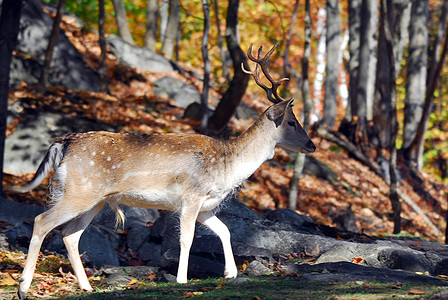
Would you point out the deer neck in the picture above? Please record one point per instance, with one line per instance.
(251, 149)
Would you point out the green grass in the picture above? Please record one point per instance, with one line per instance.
(265, 287)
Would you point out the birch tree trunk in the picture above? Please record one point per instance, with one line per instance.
(150, 39)
(307, 106)
(122, 21)
(171, 29)
(437, 57)
(332, 68)
(416, 79)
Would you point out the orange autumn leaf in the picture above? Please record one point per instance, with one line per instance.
(8, 280)
(243, 267)
(133, 281)
(416, 292)
(357, 260)
(220, 284)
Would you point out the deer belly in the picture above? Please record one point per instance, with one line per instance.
(155, 199)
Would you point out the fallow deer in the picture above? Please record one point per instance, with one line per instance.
(187, 173)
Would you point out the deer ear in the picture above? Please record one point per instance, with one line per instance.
(276, 112)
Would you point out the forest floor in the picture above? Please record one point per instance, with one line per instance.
(131, 106)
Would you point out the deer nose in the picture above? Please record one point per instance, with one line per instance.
(310, 146)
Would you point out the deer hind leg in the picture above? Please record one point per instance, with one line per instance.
(188, 216)
(43, 224)
(221, 230)
(71, 235)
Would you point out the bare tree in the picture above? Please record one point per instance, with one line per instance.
(225, 68)
(287, 69)
(172, 28)
(307, 106)
(122, 21)
(102, 41)
(233, 95)
(152, 6)
(437, 56)
(43, 79)
(398, 17)
(394, 199)
(332, 67)
(416, 79)
(11, 11)
(204, 48)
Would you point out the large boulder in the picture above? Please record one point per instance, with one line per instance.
(138, 57)
(26, 147)
(67, 66)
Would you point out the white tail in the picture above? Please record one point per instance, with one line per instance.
(189, 173)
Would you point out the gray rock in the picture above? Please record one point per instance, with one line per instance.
(287, 215)
(239, 280)
(137, 235)
(150, 252)
(26, 147)
(183, 94)
(256, 268)
(68, 68)
(137, 57)
(97, 248)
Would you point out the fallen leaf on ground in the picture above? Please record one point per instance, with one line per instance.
(416, 292)
(243, 267)
(357, 260)
(220, 284)
(8, 280)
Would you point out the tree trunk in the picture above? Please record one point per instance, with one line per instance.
(233, 95)
(172, 27)
(102, 41)
(394, 199)
(416, 79)
(332, 67)
(204, 48)
(9, 29)
(122, 21)
(307, 106)
(222, 54)
(354, 19)
(433, 76)
(362, 104)
(150, 39)
(399, 14)
(43, 79)
(287, 69)
(163, 13)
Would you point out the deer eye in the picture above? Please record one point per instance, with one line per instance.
(292, 123)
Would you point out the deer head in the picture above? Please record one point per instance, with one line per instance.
(291, 134)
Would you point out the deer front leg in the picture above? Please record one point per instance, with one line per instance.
(221, 230)
(188, 216)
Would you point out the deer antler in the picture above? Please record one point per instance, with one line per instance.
(271, 93)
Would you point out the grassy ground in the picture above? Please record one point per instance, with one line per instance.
(268, 287)
(265, 287)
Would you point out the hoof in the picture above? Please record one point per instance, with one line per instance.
(21, 294)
